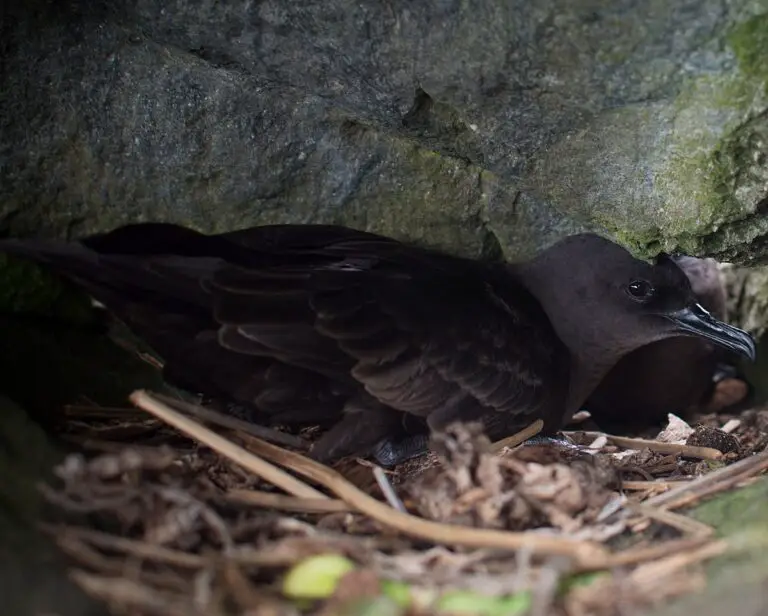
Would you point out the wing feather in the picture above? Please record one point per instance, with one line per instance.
(432, 335)
(425, 334)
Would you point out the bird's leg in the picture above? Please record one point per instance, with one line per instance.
(390, 452)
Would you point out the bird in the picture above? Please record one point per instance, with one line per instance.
(679, 375)
(379, 341)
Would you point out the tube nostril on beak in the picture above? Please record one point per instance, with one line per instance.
(696, 321)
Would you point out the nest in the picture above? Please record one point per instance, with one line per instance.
(178, 509)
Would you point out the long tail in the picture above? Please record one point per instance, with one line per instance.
(157, 294)
(149, 272)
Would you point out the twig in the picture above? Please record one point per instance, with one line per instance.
(633, 468)
(652, 485)
(275, 556)
(519, 437)
(233, 423)
(689, 451)
(151, 360)
(287, 503)
(667, 566)
(86, 556)
(582, 551)
(731, 425)
(202, 589)
(682, 523)
(228, 449)
(124, 545)
(714, 482)
(78, 411)
(68, 503)
(102, 446)
(386, 488)
(588, 554)
(635, 556)
(190, 504)
(125, 432)
(645, 586)
(125, 592)
(242, 590)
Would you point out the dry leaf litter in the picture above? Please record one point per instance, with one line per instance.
(148, 519)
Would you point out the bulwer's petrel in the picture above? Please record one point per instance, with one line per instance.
(377, 339)
(675, 375)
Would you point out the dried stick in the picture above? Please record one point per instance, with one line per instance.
(149, 551)
(387, 489)
(519, 437)
(657, 485)
(287, 503)
(228, 449)
(637, 555)
(583, 552)
(682, 523)
(128, 593)
(225, 421)
(713, 482)
(689, 451)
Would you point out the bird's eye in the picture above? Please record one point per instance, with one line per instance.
(640, 290)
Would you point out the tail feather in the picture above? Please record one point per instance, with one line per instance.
(159, 298)
(169, 283)
(153, 278)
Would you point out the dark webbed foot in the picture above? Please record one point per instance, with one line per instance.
(390, 452)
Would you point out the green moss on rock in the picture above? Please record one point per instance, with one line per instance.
(26, 287)
(736, 579)
(749, 41)
(715, 174)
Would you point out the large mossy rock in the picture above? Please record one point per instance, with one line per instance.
(482, 126)
(738, 579)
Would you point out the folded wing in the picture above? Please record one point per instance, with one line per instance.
(423, 333)
(304, 322)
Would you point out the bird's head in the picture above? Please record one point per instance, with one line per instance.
(604, 302)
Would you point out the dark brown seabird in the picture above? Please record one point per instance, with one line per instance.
(676, 375)
(378, 339)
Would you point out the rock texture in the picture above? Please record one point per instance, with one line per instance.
(482, 126)
(747, 291)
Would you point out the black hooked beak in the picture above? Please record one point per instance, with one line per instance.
(697, 321)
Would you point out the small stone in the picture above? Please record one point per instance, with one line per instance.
(706, 436)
